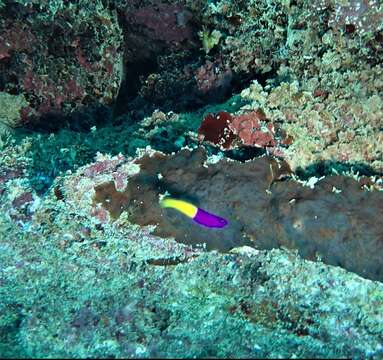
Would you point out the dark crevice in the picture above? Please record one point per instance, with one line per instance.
(127, 99)
(326, 168)
(81, 120)
(147, 59)
(242, 154)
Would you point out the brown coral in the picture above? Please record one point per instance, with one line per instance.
(337, 220)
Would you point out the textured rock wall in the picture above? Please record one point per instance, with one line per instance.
(338, 220)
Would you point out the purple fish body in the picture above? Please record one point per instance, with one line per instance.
(209, 220)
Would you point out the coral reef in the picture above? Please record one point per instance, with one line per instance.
(214, 79)
(10, 109)
(250, 129)
(116, 290)
(342, 125)
(169, 23)
(215, 129)
(260, 36)
(264, 209)
(57, 63)
(266, 113)
(317, 67)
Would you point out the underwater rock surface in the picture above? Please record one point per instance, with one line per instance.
(70, 275)
(92, 267)
(338, 220)
(54, 62)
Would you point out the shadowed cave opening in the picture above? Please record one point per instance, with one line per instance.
(179, 98)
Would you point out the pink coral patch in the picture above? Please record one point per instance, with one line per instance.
(248, 129)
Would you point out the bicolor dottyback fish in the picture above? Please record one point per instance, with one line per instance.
(200, 216)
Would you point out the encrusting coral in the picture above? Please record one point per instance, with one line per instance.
(337, 220)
